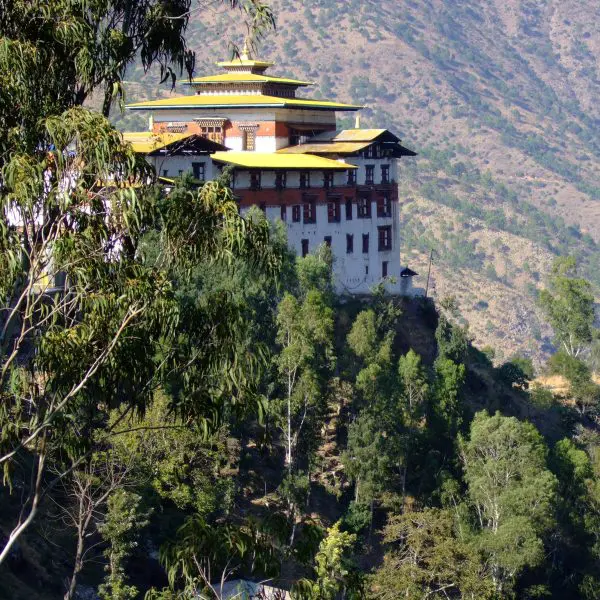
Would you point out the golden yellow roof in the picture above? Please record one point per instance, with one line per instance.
(144, 142)
(350, 135)
(239, 101)
(245, 78)
(332, 148)
(272, 160)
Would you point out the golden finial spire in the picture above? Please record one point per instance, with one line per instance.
(245, 50)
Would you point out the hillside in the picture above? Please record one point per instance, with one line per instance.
(497, 97)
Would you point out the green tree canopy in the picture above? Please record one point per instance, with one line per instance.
(568, 303)
(512, 493)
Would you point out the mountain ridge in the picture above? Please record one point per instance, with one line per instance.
(497, 98)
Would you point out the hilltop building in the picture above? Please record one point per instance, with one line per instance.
(288, 158)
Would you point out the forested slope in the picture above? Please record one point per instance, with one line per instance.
(497, 98)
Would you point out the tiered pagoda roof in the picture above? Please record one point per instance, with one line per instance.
(243, 85)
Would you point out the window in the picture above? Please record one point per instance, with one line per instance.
(327, 180)
(327, 240)
(310, 212)
(352, 177)
(296, 213)
(304, 248)
(198, 170)
(214, 133)
(255, 180)
(284, 213)
(384, 268)
(365, 243)
(366, 269)
(333, 211)
(370, 173)
(280, 180)
(385, 238)
(304, 180)
(385, 173)
(384, 206)
(349, 243)
(364, 207)
(165, 172)
(249, 140)
(348, 209)
(180, 172)
(369, 151)
(263, 207)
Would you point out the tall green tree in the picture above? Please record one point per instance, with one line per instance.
(333, 569)
(366, 460)
(568, 303)
(512, 493)
(305, 330)
(428, 558)
(124, 519)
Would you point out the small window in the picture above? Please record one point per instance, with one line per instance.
(366, 269)
(310, 212)
(284, 213)
(327, 240)
(180, 172)
(304, 248)
(352, 177)
(348, 209)
(296, 213)
(369, 152)
(304, 180)
(365, 239)
(280, 180)
(384, 206)
(263, 207)
(385, 173)
(384, 268)
(349, 243)
(165, 172)
(385, 238)
(370, 174)
(199, 171)
(364, 207)
(333, 211)
(327, 180)
(255, 180)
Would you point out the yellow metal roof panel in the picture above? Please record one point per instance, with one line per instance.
(239, 101)
(332, 148)
(350, 135)
(358, 135)
(246, 78)
(272, 160)
(147, 141)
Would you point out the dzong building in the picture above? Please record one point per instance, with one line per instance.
(337, 187)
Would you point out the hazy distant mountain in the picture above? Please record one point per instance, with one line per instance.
(500, 100)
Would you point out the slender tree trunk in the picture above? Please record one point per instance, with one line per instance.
(404, 470)
(288, 457)
(37, 494)
(70, 594)
(84, 517)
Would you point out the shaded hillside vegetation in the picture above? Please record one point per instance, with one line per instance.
(374, 454)
(497, 98)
